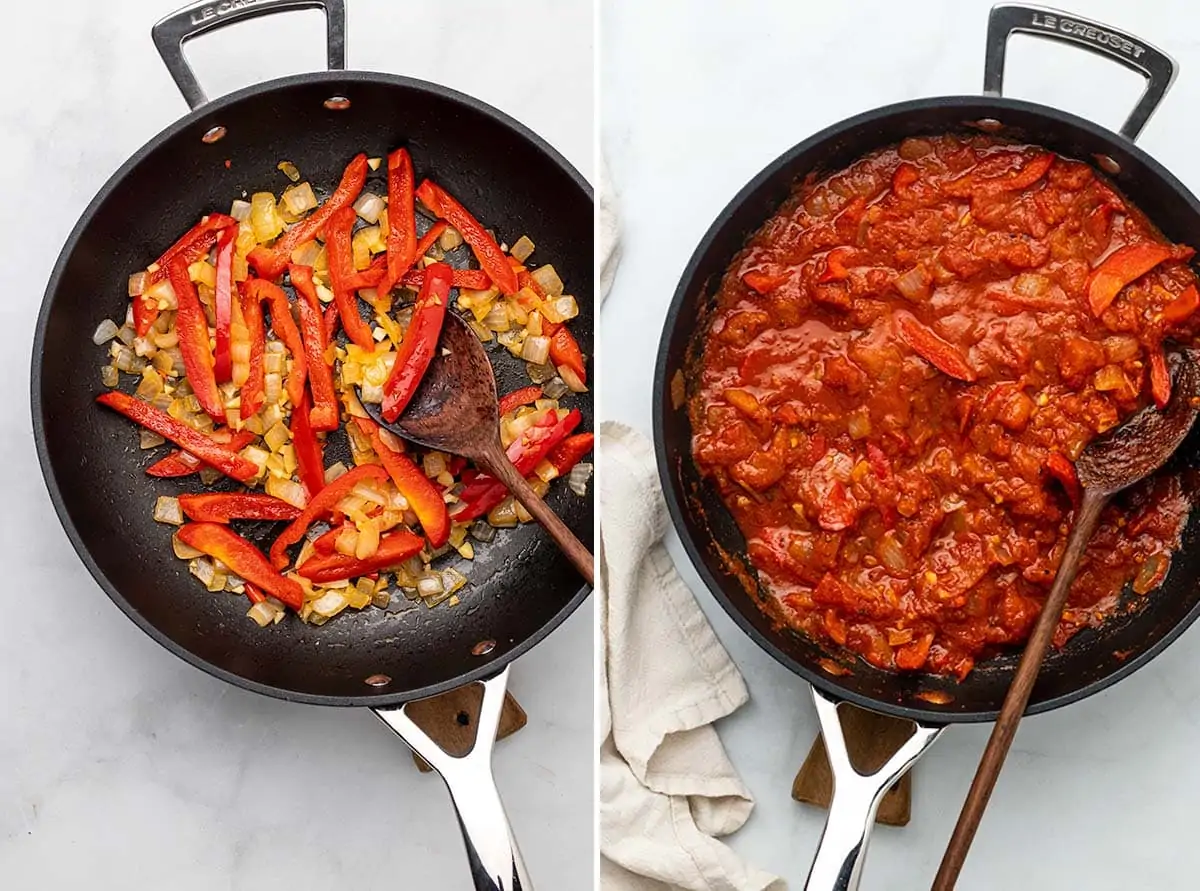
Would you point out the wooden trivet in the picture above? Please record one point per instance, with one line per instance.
(450, 720)
(871, 740)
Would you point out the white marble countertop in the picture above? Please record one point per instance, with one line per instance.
(696, 98)
(120, 766)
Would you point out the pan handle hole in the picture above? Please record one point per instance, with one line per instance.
(463, 719)
(337, 103)
(378, 680)
(483, 648)
(216, 134)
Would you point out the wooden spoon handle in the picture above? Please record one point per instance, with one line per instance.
(501, 468)
(1017, 698)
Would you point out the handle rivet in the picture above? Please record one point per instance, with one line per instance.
(1108, 164)
(378, 680)
(337, 103)
(483, 648)
(987, 125)
(216, 134)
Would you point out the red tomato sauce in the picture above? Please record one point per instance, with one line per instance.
(901, 368)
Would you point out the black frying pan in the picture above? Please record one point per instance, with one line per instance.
(521, 587)
(1093, 659)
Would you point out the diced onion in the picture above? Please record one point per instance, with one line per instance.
(536, 350)
(109, 376)
(184, 551)
(287, 490)
(137, 284)
(571, 379)
(167, 510)
(578, 478)
(276, 437)
(264, 218)
(914, 284)
(497, 318)
(240, 210)
(203, 569)
(560, 309)
(299, 198)
(1121, 348)
(449, 239)
(163, 294)
(105, 332)
(329, 604)
(430, 585)
(548, 279)
(374, 163)
(504, 514)
(434, 464)
(369, 206)
(289, 170)
(272, 387)
(333, 471)
(1110, 377)
(148, 439)
(1151, 573)
(262, 613)
(523, 248)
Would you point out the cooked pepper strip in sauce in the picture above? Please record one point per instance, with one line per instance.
(900, 369)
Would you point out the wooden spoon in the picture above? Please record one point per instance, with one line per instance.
(1109, 464)
(455, 410)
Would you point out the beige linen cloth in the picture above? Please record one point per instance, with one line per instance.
(667, 789)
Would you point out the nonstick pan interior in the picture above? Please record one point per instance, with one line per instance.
(520, 586)
(1093, 659)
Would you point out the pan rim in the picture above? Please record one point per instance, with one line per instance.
(693, 549)
(203, 119)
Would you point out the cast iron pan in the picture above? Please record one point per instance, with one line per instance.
(521, 587)
(1093, 659)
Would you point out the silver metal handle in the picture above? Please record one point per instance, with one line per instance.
(843, 846)
(496, 863)
(171, 33)
(1157, 67)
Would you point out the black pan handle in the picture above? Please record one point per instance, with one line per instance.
(171, 33)
(1157, 67)
(496, 863)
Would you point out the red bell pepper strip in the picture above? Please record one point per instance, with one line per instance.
(341, 267)
(243, 558)
(252, 392)
(1034, 169)
(330, 321)
(835, 265)
(1182, 306)
(192, 326)
(570, 452)
(180, 463)
(327, 543)
(420, 341)
(207, 449)
(270, 262)
(394, 548)
(484, 492)
(310, 455)
(322, 503)
(193, 245)
(487, 251)
(1121, 267)
(221, 507)
(253, 594)
(943, 356)
(402, 219)
(324, 415)
(423, 497)
(517, 398)
(261, 291)
(1160, 377)
(564, 350)
(1064, 471)
(371, 277)
(880, 465)
(222, 359)
(432, 234)
(761, 282)
(906, 174)
(475, 279)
